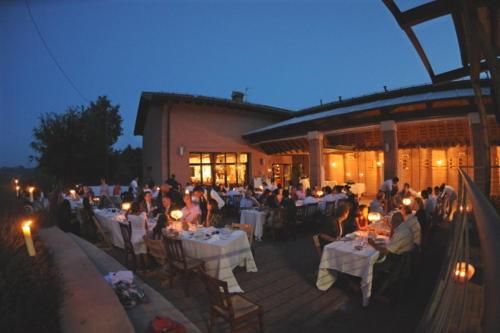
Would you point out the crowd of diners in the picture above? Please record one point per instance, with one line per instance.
(409, 221)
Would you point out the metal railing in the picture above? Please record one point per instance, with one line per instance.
(461, 301)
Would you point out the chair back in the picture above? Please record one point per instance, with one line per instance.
(218, 293)
(247, 228)
(100, 231)
(311, 210)
(317, 245)
(301, 213)
(175, 252)
(126, 230)
(156, 249)
(279, 217)
(330, 208)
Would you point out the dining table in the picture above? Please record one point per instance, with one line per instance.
(256, 218)
(351, 255)
(222, 250)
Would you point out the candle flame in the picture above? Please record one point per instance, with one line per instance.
(31, 189)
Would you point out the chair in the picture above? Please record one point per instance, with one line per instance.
(301, 213)
(101, 233)
(157, 250)
(236, 310)
(330, 208)
(128, 248)
(179, 262)
(279, 221)
(248, 228)
(317, 245)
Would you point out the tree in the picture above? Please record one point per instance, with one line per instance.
(75, 145)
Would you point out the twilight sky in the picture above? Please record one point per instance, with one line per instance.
(289, 54)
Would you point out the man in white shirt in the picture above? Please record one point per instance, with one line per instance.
(309, 199)
(388, 185)
(248, 201)
(327, 198)
(148, 202)
(449, 197)
(412, 221)
(429, 203)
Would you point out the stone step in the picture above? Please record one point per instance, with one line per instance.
(142, 314)
(90, 304)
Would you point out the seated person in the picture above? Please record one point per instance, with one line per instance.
(309, 199)
(377, 205)
(300, 192)
(361, 217)
(191, 212)
(412, 222)
(138, 223)
(147, 204)
(327, 198)
(400, 243)
(338, 195)
(248, 200)
(334, 228)
(213, 213)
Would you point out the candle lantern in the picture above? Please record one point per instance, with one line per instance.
(17, 190)
(186, 191)
(374, 217)
(126, 206)
(176, 214)
(28, 239)
(31, 190)
(463, 272)
(319, 194)
(73, 194)
(407, 201)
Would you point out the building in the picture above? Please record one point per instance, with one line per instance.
(422, 134)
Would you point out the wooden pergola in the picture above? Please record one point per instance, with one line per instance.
(477, 27)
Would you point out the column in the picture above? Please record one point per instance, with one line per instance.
(316, 169)
(479, 150)
(390, 147)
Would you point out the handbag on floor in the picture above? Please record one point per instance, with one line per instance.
(162, 324)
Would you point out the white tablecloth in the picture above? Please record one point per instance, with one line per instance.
(342, 256)
(221, 256)
(110, 223)
(358, 188)
(255, 218)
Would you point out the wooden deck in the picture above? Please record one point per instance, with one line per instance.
(285, 287)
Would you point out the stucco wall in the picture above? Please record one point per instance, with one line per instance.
(200, 128)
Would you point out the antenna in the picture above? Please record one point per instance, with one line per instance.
(246, 93)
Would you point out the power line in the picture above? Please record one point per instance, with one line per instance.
(72, 84)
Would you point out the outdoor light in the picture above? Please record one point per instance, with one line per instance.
(126, 206)
(379, 163)
(463, 271)
(374, 217)
(319, 193)
(16, 181)
(334, 165)
(17, 190)
(30, 190)
(28, 239)
(407, 201)
(439, 162)
(176, 214)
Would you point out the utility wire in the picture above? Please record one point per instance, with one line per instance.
(66, 76)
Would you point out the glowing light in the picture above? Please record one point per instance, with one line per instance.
(186, 191)
(334, 165)
(361, 174)
(176, 214)
(319, 193)
(16, 181)
(374, 216)
(27, 238)
(126, 206)
(30, 190)
(439, 162)
(463, 272)
(379, 163)
(407, 201)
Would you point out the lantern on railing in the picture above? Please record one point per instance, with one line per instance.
(176, 214)
(17, 190)
(374, 217)
(463, 272)
(31, 190)
(319, 194)
(126, 206)
(407, 201)
(28, 239)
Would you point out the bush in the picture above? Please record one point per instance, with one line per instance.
(30, 287)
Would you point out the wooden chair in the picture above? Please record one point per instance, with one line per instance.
(236, 310)
(101, 233)
(279, 222)
(330, 209)
(157, 250)
(248, 228)
(301, 213)
(128, 248)
(317, 245)
(179, 262)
